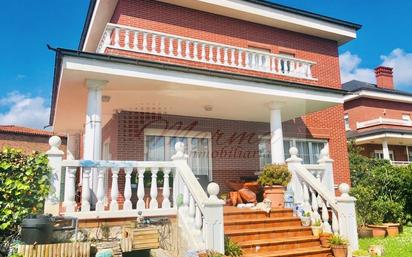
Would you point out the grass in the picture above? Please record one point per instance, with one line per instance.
(400, 246)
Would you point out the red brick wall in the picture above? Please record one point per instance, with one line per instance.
(227, 138)
(27, 143)
(363, 109)
(168, 18)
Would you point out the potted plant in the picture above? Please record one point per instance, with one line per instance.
(378, 230)
(316, 227)
(360, 253)
(339, 245)
(324, 239)
(392, 229)
(232, 249)
(274, 179)
(305, 219)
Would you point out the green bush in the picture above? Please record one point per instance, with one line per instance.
(24, 185)
(275, 174)
(232, 248)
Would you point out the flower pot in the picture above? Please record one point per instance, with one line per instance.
(365, 232)
(276, 195)
(392, 229)
(324, 239)
(378, 230)
(340, 250)
(316, 230)
(305, 221)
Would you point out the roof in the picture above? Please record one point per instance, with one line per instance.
(24, 130)
(371, 132)
(60, 53)
(356, 85)
(355, 26)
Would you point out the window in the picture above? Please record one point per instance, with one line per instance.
(378, 154)
(160, 146)
(309, 149)
(346, 119)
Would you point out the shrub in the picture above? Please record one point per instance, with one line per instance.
(232, 248)
(275, 174)
(24, 185)
(337, 239)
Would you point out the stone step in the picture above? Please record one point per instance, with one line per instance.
(261, 223)
(271, 245)
(240, 235)
(238, 213)
(302, 252)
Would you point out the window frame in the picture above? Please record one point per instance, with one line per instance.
(375, 152)
(346, 121)
(189, 134)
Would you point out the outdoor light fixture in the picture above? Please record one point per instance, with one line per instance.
(105, 98)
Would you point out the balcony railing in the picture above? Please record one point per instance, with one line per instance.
(383, 121)
(172, 46)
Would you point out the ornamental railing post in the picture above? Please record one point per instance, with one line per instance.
(294, 185)
(55, 156)
(327, 176)
(347, 216)
(213, 220)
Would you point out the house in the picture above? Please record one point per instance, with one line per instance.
(27, 139)
(377, 117)
(203, 92)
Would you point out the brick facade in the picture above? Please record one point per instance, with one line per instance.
(168, 18)
(234, 143)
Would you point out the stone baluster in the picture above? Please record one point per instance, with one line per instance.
(135, 40)
(70, 185)
(295, 184)
(162, 45)
(100, 189)
(198, 219)
(218, 55)
(127, 39)
(325, 217)
(211, 60)
(273, 64)
(145, 41)
(186, 199)
(315, 206)
(127, 189)
(195, 51)
(140, 189)
(192, 209)
(187, 49)
(179, 48)
(306, 197)
(335, 222)
(225, 56)
(203, 52)
(253, 60)
(280, 66)
(166, 189)
(153, 189)
(114, 206)
(239, 58)
(232, 57)
(154, 43)
(308, 71)
(116, 37)
(291, 67)
(86, 190)
(171, 47)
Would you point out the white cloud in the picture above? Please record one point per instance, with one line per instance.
(401, 62)
(24, 110)
(350, 70)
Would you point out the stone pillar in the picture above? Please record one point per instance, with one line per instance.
(276, 134)
(93, 129)
(55, 156)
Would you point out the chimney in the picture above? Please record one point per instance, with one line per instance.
(384, 77)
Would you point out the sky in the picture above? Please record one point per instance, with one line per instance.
(26, 65)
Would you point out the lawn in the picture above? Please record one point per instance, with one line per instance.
(400, 246)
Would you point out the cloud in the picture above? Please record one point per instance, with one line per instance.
(401, 62)
(350, 70)
(24, 110)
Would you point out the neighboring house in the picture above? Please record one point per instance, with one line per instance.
(238, 82)
(378, 117)
(27, 139)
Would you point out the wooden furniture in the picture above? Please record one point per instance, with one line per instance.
(140, 238)
(79, 249)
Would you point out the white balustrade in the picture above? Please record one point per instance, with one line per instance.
(311, 190)
(383, 121)
(201, 215)
(188, 49)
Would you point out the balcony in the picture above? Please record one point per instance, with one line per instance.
(177, 47)
(383, 121)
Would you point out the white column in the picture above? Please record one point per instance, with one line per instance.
(327, 176)
(52, 203)
(385, 150)
(276, 134)
(72, 153)
(93, 129)
(213, 220)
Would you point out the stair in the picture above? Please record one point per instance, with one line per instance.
(271, 235)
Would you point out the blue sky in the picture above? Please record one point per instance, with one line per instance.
(27, 65)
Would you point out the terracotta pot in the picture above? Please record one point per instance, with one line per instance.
(392, 229)
(378, 230)
(305, 221)
(365, 232)
(276, 195)
(316, 230)
(340, 250)
(324, 239)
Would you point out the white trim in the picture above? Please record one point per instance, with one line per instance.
(381, 152)
(164, 75)
(87, 215)
(383, 135)
(378, 95)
